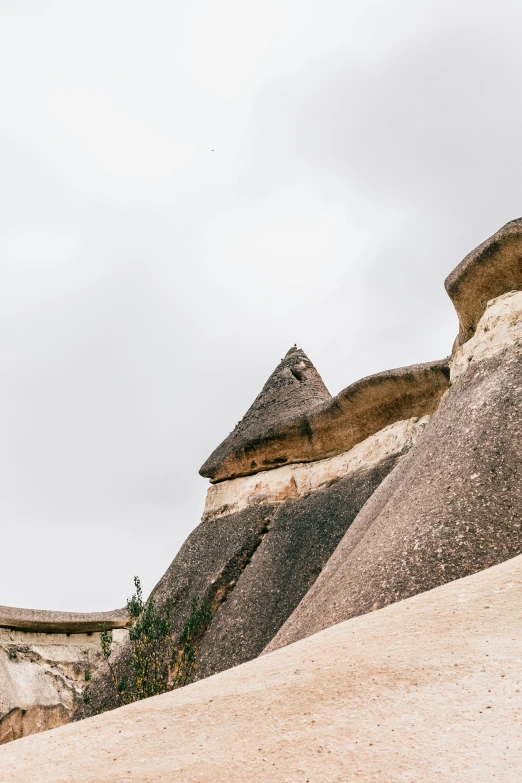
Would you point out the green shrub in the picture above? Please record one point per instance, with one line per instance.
(158, 662)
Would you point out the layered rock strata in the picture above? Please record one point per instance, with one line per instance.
(294, 388)
(332, 427)
(265, 538)
(322, 509)
(493, 268)
(453, 506)
(300, 479)
(425, 690)
(251, 568)
(46, 659)
(300, 536)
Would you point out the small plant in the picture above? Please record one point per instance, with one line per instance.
(186, 661)
(158, 662)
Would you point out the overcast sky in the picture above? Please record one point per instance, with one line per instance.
(186, 190)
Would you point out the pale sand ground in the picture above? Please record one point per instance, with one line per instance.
(428, 689)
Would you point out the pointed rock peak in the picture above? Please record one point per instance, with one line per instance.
(294, 388)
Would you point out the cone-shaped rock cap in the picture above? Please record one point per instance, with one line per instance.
(268, 440)
(295, 387)
(492, 269)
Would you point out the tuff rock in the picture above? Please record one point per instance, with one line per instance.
(359, 554)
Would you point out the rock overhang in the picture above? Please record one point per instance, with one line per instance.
(294, 388)
(336, 425)
(297, 480)
(48, 621)
(44, 660)
(492, 269)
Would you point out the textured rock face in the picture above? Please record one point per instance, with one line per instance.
(294, 388)
(298, 480)
(499, 328)
(300, 536)
(44, 657)
(425, 690)
(262, 543)
(252, 568)
(42, 676)
(45, 621)
(333, 427)
(454, 504)
(488, 271)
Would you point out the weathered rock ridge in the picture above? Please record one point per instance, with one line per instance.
(454, 504)
(265, 538)
(333, 427)
(493, 268)
(300, 479)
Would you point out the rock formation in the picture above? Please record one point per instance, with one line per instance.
(264, 538)
(322, 509)
(426, 689)
(335, 426)
(454, 504)
(294, 388)
(45, 660)
(493, 268)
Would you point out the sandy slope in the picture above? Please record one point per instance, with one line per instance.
(428, 689)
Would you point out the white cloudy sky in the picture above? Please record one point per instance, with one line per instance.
(186, 190)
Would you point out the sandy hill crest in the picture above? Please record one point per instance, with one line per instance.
(427, 689)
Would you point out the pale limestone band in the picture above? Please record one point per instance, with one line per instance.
(499, 328)
(297, 480)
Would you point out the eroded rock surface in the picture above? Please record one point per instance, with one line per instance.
(294, 388)
(300, 537)
(493, 268)
(43, 675)
(499, 328)
(453, 506)
(335, 426)
(46, 659)
(300, 479)
(254, 565)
